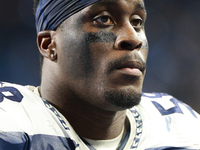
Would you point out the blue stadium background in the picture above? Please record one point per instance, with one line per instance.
(172, 29)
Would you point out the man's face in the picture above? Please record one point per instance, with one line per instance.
(102, 52)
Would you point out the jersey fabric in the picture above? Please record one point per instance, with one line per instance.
(28, 122)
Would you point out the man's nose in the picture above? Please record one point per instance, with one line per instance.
(128, 38)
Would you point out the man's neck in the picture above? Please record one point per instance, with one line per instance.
(94, 124)
(88, 121)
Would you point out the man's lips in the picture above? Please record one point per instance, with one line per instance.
(133, 68)
(131, 71)
(129, 65)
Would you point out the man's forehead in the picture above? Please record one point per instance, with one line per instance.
(136, 3)
(111, 1)
(115, 1)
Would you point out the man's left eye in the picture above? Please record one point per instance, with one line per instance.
(137, 23)
(104, 20)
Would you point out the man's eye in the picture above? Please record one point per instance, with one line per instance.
(137, 23)
(104, 20)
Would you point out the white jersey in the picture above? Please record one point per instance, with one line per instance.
(159, 122)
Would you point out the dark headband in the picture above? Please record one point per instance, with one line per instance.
(51, 13)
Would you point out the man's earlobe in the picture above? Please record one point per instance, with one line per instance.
(53, 55)
(46, 44)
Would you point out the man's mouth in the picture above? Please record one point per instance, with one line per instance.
(129, 65)
(133, 68)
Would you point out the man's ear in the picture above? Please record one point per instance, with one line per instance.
(46, 44)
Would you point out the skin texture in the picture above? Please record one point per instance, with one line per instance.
(86, 71)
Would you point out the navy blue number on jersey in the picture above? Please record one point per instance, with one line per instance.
(10, 93)
(175, 109)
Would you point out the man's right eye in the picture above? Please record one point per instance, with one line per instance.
(104, 20)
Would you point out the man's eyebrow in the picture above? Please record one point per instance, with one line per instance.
(103, 2)
(141, 6)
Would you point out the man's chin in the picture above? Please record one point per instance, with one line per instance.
(123, 99)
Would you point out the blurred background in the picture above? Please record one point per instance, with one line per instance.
(173, 31)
